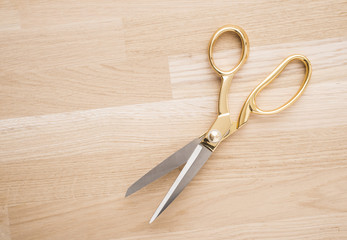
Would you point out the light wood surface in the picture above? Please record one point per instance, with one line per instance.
(95, 93)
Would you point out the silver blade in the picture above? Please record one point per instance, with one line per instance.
(192, 167)
(174, 161)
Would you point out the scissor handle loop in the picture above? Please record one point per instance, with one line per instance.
(244, 52)
(250, 104)
(275, 74)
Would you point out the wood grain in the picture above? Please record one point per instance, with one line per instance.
(95, 93)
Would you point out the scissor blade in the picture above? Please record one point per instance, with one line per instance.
(192, 167)
(174, 161)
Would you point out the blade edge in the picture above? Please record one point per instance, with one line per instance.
(197, 159)
(172, 162)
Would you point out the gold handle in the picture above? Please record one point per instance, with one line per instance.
(250, 104)
(221, 128)
(244, 52)
(226, 76)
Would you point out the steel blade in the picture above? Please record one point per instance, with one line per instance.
(192, 167)
(174, 161)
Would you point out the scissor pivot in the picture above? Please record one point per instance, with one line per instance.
(214, 136)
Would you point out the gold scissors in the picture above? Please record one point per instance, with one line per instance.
(195, 154)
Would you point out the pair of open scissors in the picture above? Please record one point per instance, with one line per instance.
(195, 154)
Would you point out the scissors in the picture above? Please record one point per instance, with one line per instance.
(195, 154)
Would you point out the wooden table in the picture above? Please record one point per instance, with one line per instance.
(95, 93)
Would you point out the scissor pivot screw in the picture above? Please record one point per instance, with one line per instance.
(214, 136)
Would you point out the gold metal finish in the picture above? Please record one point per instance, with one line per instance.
(223, 124)
(250, 104)
(227, 76)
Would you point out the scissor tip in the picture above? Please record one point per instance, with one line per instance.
(152, 219)
(155, 215)
(128, 193)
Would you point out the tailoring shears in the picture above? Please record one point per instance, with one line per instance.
(196, 153)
